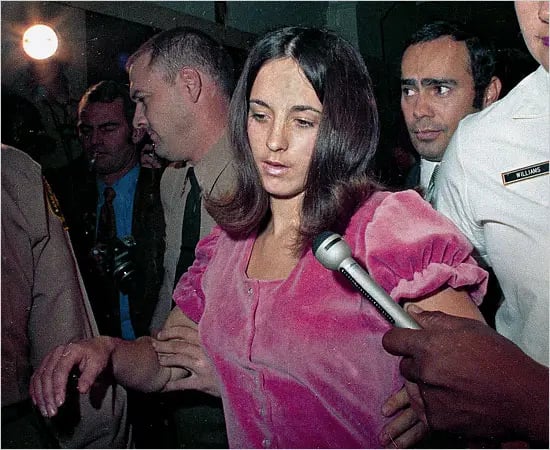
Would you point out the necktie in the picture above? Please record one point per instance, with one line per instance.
(106, 229)
(431, 186)
(190, 230)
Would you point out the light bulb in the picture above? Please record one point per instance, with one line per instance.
(40, 42)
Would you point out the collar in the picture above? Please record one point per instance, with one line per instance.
(209, 168)
(125, 184)
(426, 170)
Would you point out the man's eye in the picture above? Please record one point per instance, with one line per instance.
(109, 128)
(407, 92)
(442, 90)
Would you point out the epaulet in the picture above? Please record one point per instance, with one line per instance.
(53, 203)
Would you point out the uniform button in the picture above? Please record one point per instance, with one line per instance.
(266, 443)
(262, 412)
(250, 291)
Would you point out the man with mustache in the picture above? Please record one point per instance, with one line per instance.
(446, 74)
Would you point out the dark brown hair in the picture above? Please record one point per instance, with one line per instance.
(337, 181)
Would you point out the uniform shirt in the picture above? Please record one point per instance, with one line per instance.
(494, 185)
(123, 205)
(44, 303)
(215, 175)
(300, 360)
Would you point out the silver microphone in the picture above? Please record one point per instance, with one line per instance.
(334, 253)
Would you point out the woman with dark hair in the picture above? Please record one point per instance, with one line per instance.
(297, 352)
(293, 350)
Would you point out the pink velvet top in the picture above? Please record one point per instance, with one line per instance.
(300, 360)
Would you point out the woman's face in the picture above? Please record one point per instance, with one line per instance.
(283, 122)
(533, 22)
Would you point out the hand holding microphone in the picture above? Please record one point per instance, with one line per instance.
(334, 253)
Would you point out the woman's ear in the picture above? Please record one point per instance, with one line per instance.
(191, 83)
(492, 92)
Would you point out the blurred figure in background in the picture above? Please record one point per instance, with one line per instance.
(122, 243)
(122, 266)
(22, 126)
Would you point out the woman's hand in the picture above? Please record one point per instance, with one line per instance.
(409, 425)
(178, 348)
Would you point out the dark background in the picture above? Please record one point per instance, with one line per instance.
(97, 37)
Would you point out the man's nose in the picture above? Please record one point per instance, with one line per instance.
(422, 106)
(96, 137)
(140, 121)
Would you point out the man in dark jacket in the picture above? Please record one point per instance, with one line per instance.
(122, 265)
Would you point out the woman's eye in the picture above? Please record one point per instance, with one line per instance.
(258, 117)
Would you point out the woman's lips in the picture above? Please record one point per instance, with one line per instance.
(274, 168)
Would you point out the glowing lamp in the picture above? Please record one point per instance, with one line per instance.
(40, 42)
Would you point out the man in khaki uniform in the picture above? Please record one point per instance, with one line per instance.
(44, 305)
(181, 80)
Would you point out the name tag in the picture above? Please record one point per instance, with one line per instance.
(525, 173)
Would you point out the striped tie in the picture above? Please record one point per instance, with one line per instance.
(431, 186)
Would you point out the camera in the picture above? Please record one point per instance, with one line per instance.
(115, 258)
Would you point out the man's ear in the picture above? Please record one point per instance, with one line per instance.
(492, 92)
(191, 83)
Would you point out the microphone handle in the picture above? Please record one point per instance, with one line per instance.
(362, 281)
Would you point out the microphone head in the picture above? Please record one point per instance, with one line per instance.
(330, 249)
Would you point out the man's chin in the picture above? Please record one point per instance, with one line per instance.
(431, 151)
(162, 152)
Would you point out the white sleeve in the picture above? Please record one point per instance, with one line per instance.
(454, 194)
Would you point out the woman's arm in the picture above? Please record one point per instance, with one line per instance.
(179, 349)
(450, 301)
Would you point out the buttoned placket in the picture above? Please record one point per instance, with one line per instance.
(253, 292)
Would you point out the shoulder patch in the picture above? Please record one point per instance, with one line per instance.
(53, 203)
(525, 173)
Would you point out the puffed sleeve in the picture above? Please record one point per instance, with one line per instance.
(188, 294)
(413, 251)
